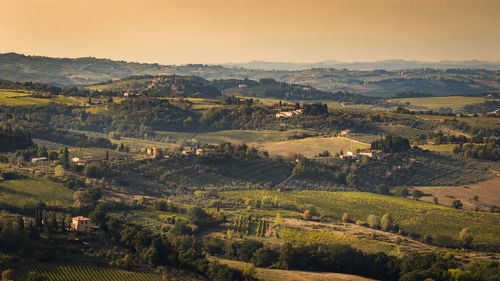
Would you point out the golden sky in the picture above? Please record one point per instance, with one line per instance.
(210, 31)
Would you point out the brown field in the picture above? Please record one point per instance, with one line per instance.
(487, 191)
(292, 275)
(311, 147)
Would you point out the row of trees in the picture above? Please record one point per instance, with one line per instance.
(345, 259)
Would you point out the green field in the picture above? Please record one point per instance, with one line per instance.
(18, 192)
(83, 273)
(13, 97)
(433, 103)
(311, 147)
(412, 216)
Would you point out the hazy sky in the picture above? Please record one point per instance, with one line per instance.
(208, 31)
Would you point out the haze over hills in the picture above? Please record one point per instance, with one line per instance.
(382, 82)
(395, 64)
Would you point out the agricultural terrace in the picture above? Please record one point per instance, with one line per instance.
(14, 97)
(311, 147)
(412, 216)
(84, 273)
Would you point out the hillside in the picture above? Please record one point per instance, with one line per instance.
(86, 71)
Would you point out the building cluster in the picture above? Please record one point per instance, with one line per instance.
(82, 161)
(376, 154)
(198, 152)
(290, 113)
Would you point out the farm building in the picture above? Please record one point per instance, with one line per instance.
(372, 153)
(187, 153)
(81, 161)
(349, 155)
(81, 224)
(204, 151)
(39, 159)
(346, 132)
(154, 151)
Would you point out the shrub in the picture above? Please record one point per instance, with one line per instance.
(457, 204)
(373, 221)
(264, 257)
(346, 218)
(387, 223)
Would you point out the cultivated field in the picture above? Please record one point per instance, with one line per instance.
(311, 147)
(433, 103)
(13, 97)
(412, 216)
(84, 273)
(488, 193)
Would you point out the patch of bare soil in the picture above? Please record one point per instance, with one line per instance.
(487, 192)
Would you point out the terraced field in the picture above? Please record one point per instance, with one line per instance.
(413, 216)
(84, 273)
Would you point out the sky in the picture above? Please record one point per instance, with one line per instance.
(219, 31)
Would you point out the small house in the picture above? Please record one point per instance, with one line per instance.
(81, 224)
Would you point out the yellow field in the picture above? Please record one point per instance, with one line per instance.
(13, 97)
(310, 147)
(455, 102)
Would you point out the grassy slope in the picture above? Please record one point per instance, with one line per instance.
(414, 216)
(20, 191)
(310, 147)
(279, 274)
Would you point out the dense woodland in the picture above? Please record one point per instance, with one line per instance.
(14, 139)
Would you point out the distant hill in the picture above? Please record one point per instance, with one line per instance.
(383, 64)
(433, 81)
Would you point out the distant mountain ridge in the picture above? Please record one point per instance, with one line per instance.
(367, 66)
